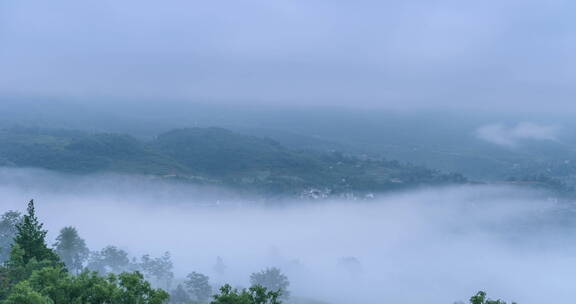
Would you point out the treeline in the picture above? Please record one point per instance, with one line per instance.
(69, 273)
(34, 273)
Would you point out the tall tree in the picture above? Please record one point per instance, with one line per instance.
(158, 270)
(71, 249)
(199, 286)
(31, 238)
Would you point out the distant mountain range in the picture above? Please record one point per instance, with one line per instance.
(215, 156)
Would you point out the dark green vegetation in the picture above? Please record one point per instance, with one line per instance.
(217, 157)
(37, 274)
(480, 298)
(34, 274)
(254, 295)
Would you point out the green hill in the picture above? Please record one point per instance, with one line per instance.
(216, 156)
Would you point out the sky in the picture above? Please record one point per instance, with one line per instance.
(494, 54)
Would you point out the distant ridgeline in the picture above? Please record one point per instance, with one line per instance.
(215, 156)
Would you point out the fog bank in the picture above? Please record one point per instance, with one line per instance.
(428, 246)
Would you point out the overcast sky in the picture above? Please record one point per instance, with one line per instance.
(492, 53)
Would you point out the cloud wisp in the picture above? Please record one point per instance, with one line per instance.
(511, 136)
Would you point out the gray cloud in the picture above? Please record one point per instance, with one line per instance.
(362, 53)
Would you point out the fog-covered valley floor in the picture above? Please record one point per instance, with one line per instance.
(426, 246)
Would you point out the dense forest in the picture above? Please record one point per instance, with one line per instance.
(215, 156)
(68, 272)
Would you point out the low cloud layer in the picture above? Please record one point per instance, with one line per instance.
(512, 135)
(434, 246)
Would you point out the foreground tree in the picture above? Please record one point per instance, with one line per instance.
(271, 279)
(24, 294)
(71, 249)
(198, 285)
(134, 289)
(34, 275)
(54, 285)
(28, 253)
(31, 238)
(254, 295)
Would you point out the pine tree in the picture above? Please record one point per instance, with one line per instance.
(31, 238)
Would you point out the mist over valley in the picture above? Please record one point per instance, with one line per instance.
(337, 251)
(287, 152)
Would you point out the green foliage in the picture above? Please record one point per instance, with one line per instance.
(31, 238)
(254, 295)
(16, 270)
(198, 285)
(271, 279)
(28, 254)
(71, 249)
(79, 152)
(133, 289)
(480, 298)
(24, 294)
(34, 275)
(8, 230)
(54, 285)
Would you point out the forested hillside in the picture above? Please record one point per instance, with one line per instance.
(214, 156)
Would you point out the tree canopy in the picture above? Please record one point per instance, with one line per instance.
(31, 238)
(272, 279)
(33, 274)
(253, 295)
(71, 249)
